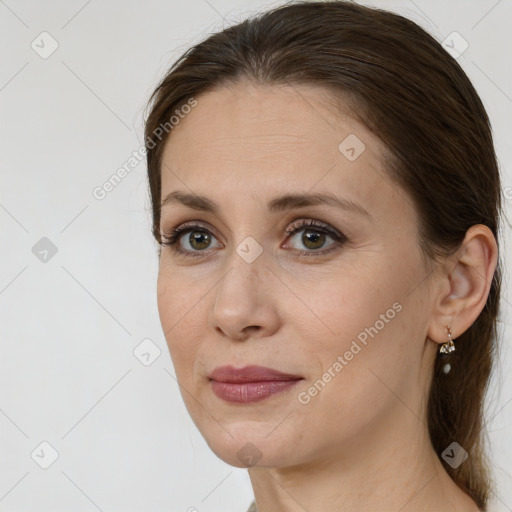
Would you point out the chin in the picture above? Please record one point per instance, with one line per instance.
(243, 450)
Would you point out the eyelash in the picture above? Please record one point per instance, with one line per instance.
(170, 239)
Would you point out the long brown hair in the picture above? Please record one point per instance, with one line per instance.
(402, 85)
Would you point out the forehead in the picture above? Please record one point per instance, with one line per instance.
(265, 139)
(267, 121)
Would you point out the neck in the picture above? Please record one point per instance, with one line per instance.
(390, 466)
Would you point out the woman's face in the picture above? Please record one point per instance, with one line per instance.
(348, 314)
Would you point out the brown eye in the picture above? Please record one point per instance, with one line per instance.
(198, 240)
(314, 236)
(311, 238)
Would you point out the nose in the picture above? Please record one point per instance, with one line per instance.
(246, 300)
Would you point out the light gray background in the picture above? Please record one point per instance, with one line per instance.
(68, 374)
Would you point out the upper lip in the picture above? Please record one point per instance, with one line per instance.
(249, 374)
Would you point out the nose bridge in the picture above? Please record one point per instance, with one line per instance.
(241, 297)
(246, 268)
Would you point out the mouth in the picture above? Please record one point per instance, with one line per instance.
(250, 384)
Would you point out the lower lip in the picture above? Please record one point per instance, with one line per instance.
(250, 391)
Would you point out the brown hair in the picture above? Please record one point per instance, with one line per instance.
(404, 87)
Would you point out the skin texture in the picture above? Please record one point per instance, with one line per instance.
(361, 443)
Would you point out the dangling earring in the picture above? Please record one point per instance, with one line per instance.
(448, 346)
(445, 349)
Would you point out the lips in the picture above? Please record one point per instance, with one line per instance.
(250, 384)
(250, 374)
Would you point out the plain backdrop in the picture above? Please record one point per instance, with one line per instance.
(90, 419)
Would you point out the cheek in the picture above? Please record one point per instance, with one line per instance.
(367, 343)
(179, 317)
(178, 297)
(347, 303)
(167, 303)
(358, 316)
(354, 369)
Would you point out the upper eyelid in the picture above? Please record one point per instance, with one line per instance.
(301, 223)
(314, 223)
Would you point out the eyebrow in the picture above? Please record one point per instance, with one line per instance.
(278, 204)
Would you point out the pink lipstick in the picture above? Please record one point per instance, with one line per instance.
(250, 383)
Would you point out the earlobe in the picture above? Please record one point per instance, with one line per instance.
(468, 276)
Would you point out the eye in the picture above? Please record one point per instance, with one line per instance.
(314, 235)
(200, 238)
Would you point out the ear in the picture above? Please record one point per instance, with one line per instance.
(464, 284)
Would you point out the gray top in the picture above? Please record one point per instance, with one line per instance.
(494, 506)
(252, 508)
